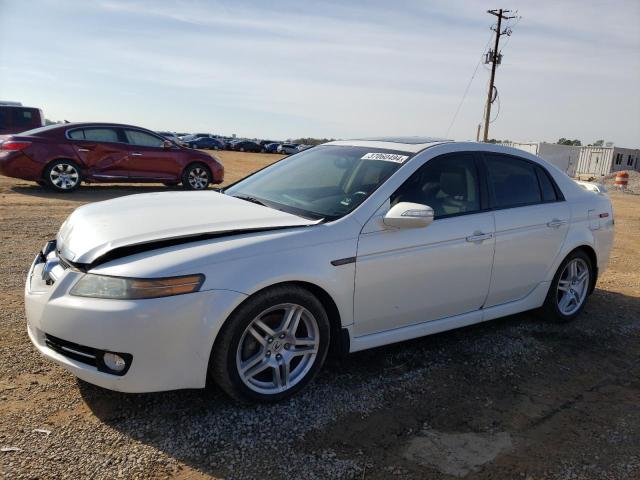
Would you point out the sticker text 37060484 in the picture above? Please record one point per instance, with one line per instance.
(387, 157)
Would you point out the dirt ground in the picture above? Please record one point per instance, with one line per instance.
(513, 398)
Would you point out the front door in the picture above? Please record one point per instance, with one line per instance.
(148, 160)
(414, 275)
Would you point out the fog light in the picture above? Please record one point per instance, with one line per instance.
(114, 362)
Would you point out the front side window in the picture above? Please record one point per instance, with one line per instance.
(447, 184)
(324, 182)
(101, 134)
(143, 139)
(514, 182)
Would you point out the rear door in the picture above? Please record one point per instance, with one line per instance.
(532, 221)
(103, 152)
(148, 159)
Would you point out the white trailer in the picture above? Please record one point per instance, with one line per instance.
(565, 157)
(600, 161)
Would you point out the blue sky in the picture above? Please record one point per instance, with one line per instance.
(326, 69)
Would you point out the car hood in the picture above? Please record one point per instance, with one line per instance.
(94, 231)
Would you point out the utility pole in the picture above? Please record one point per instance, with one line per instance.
(494, 57)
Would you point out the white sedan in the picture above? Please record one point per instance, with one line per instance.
(346, 246)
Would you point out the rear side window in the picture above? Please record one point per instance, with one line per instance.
(101, 134)
(546, 186)
(76, 134)
(514, 182)
(142, 139)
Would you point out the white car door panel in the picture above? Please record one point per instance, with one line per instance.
(410, 276)
(407, 276)
(528, 239)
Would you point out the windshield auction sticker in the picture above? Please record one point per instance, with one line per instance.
(387, 157)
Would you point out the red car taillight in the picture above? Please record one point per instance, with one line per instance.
(10, 145)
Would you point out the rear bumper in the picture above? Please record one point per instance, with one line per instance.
(17, 164)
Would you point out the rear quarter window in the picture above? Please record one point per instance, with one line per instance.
(546, 186)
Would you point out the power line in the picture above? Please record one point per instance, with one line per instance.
(466, 90)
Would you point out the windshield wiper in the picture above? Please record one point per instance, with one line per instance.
(251, 199)
(280, 207)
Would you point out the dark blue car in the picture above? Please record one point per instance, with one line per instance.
(206, 142)
(271, 147)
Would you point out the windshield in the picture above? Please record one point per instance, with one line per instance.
(323, 182)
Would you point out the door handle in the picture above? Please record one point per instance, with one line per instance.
(83, 149)
(479, 237)
(555, 223)
(136, 154)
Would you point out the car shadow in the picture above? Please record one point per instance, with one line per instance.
(215, 435)
(93, 192)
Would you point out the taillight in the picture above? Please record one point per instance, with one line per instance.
(12, 145)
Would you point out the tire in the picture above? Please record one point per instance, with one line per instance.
(63, 176)
(569, 288)
(196, 176)
(242, 149)
(272, 355)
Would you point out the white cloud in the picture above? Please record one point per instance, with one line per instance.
(334, 69)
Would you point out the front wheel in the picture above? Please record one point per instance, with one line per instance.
(569, 288)
(63, 176)
(271, 346)
(196, 177)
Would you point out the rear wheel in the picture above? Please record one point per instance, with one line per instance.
(570, 288)
(271, 346)
(196, 177)
(63, 176)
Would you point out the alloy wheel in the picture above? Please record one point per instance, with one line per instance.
(573, 286)
(198, 178)
(64, 176)
(278, 348)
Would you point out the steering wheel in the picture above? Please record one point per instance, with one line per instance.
(360, 192)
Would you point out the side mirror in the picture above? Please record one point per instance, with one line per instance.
(167, 144)
(408, 215)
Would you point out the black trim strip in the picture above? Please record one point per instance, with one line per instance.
(343, 261)
(88, 355)
(169, 242)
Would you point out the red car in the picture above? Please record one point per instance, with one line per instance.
(62, 156)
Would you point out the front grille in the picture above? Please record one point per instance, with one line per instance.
(90, 356)
(72, 350)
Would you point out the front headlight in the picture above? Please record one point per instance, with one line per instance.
(102, 286)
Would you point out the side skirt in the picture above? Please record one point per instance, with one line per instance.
(534, 300)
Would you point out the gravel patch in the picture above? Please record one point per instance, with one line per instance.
(564, 393)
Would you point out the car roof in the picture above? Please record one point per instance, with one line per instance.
(405, 144)
(100, 124)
